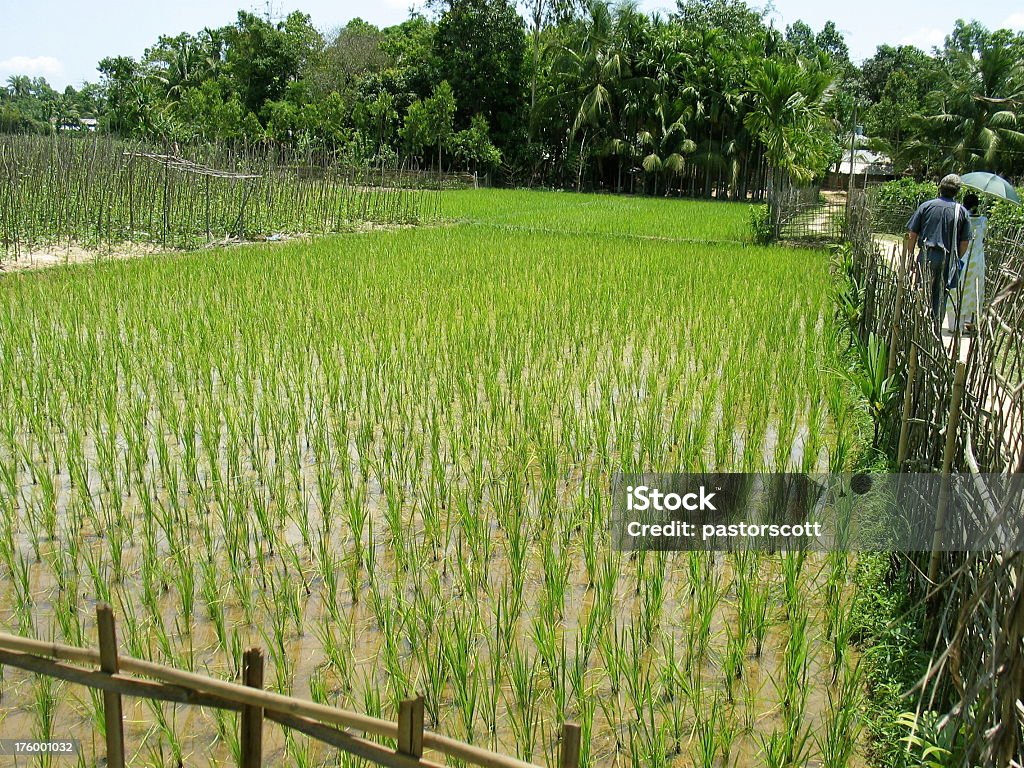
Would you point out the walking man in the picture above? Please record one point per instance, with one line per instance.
(941, 229)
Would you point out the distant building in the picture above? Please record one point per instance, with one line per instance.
(864, 164)
(71, 124)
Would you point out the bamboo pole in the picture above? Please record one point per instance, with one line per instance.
(126, 686)
(112, 714)
(353, 745)
(252, 716)
(908, 408)
(948, 455)
(897, 323)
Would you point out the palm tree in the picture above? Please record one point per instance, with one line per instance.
(974, 117)
(788, 119)
(19, 86)
(667, 139)
(588, 71)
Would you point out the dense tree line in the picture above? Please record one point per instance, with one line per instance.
(570, 93)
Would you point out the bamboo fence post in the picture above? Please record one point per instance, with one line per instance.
(569, 755)
(410, 727)
(112, 714)
(948, 454)
(252, 716)
(908, 407)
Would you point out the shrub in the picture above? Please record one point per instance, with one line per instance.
(761, 224)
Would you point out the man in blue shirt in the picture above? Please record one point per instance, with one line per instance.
(941, 228)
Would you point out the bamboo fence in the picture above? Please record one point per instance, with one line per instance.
(959, 409)
(117, 676)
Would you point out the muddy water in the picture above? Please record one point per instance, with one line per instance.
(148, 599)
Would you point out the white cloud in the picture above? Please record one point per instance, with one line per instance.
(46, 66)
(925, 38)
(1014, 21)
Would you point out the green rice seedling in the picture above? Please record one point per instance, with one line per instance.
(292, 431)
(228, 733)
(728, 729)
(24, 601)
(213, 599)
(837, 742)
(639, 686)
(706, 730)
(545, 639)
(792, 567)
(46, 700)
(523, 707)
(701, 618)
(647, 745)
(673, 685)
(555, 567)
(298, 750)
(508, 609)
(433, 666)
(167, 732)
(134, 630)
(652, 597)
(96, 715)
(185, 581)
(795, 661)
(587, 707)
(732, 661)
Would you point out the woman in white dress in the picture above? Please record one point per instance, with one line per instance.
(969, 299)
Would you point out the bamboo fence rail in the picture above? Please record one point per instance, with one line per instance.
(119, 676)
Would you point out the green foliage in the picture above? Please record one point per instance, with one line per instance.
(868, 374)
(592, 95)
(480, 47)
(474, 146)
(761, 224)
(788, 117)
(904, 194)
(430, 122)
(888, 625)
(926, 739)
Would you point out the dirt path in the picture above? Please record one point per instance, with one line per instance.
(74, 254)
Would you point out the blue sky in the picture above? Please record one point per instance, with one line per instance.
(63, 40)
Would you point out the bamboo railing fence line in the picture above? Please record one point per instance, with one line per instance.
(806, 213)
(102, 190)
(119, 676)
(959, 408)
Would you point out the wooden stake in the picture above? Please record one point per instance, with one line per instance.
(569, 756)
(112, 713)
(252, 717)
(410, 727)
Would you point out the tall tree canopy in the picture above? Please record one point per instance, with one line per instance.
(572, 93)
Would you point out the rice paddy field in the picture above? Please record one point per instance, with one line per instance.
(386, 457)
